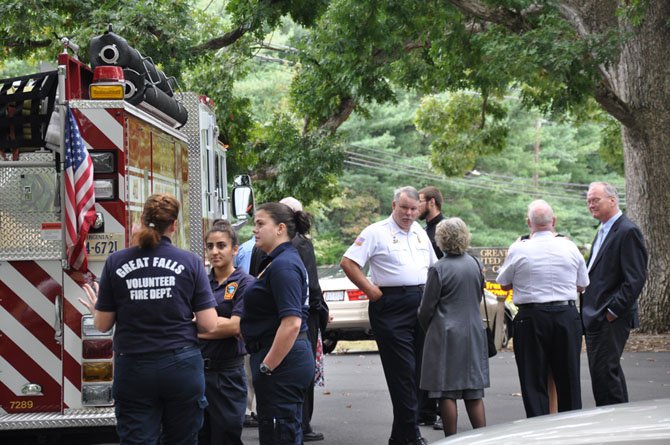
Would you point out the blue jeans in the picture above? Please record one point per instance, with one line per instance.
(159, 389)
(226, 392)
(279, 396)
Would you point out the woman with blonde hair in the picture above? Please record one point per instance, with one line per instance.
(455, 358)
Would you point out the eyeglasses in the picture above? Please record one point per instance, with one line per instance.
(595, 201)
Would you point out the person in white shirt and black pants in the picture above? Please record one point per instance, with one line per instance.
(546, 273)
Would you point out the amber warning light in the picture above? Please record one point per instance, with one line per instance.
(108, 83)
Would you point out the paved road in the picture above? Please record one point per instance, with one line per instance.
(354, 407)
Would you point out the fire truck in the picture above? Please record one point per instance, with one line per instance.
(56, 369)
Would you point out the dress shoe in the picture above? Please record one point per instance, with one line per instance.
(250, 420)
(438, 425)
(427, 421)
(417, 441)
(312, 436)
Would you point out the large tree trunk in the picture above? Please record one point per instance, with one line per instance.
(636, 91)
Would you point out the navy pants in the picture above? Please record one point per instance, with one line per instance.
(399, 338)
(548, 339)
(159, 389)
(226, 392)
(279, 396)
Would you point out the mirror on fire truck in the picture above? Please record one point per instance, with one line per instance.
(243, 197)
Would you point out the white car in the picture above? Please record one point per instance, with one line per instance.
(349, 311)
(646, 422)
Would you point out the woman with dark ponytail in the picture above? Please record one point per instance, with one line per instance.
(274, 325)
(151, 293)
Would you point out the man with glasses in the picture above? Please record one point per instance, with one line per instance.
(617, 271)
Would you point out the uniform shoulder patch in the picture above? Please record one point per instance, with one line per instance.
(359, 241)
(230, 291)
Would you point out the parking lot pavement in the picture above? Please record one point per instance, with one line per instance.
(354, 407)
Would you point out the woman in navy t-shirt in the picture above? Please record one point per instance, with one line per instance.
(222, 349)
(150, 293)
(274, 326)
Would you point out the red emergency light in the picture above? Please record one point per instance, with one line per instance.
(108, 83)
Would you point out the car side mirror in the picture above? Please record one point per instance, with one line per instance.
(243, 197)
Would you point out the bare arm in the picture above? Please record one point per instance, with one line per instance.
(103, 321)
(206, 320)
(354, 272)
(225, 328)
(288, 331)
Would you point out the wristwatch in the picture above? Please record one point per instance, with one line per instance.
(265, 369)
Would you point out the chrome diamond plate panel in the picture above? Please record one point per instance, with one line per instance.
(191, 102)
(28, 199)
(71, 418)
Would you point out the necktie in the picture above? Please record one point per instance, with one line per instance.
(596, 246)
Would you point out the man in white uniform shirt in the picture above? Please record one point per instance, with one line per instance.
(400, 253)
(546, 272)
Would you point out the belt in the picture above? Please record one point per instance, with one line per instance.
(385, 289)
(264, 342)
(222, 365)
(547, 304)
(157, 354)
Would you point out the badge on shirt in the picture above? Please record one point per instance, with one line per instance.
(230, 291)
(359, 241)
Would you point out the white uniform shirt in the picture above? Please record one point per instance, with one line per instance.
(544, 268)
(397, 258)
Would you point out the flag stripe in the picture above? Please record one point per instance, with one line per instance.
(79, 194)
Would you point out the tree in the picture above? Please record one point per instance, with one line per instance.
(559, 54)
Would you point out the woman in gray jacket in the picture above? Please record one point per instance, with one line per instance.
(455, 359)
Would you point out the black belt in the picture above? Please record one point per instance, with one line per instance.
(385, 289)
(547, 304)
(264, 342)
(223, 365)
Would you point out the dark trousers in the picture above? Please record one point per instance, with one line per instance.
(226, 392)
(308, 404)
(400, 342)
(157, 390)
(604, 346)
(548, 339)
(279, 396)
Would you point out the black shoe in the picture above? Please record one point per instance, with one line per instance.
(312, 436)
(250, 421)
(417, 441)
(427, 421)
(438, 425)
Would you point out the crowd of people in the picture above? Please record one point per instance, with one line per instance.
(200, 355)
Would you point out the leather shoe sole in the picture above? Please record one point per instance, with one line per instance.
(312, 436)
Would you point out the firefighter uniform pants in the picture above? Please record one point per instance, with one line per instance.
(161, 389)
(400, 342)
(226, 392)
(279, 396)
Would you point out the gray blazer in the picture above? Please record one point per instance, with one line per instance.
(455, 350)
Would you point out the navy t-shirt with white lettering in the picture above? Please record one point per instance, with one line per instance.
(230, 301)
(154, 293)
(281, 290)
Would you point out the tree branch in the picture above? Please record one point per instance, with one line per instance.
(516, 21)
(225, 40)
(615, 106)
(346, 107)
(28, 43)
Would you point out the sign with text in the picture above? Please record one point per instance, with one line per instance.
(492, 258)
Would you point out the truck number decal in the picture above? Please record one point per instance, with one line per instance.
(20, 404)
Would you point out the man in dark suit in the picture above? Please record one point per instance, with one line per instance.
(617, 272)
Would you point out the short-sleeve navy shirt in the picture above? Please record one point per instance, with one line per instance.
(154, 293)
(230, 301)
(280, 291)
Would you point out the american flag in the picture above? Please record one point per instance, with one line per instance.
(79, 194)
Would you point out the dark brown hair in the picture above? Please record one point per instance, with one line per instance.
(295, 222)
(224, 226)
(160, 211)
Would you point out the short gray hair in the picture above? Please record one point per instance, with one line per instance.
(452, 236)
(540, 213)
(608, 188)
(407, 190)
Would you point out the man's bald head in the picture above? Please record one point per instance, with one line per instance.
(540, 216)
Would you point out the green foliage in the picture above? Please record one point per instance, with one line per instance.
(301, 165)
(464, 128)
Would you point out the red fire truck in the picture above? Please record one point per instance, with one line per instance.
(55, 368)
